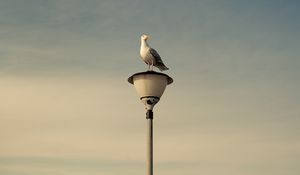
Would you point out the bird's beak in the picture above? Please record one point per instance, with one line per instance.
(148, 37)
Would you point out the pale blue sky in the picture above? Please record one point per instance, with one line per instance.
(66, 108)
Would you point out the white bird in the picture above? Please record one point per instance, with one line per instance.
(150, 56)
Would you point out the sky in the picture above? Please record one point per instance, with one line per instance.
(66, 106)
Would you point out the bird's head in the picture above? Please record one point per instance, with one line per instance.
(144, 37)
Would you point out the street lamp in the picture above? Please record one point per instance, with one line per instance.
(150, 86)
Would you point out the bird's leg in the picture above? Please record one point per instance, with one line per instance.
(149, 67)
(152, 65)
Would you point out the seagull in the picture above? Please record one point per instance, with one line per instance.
(150, 56)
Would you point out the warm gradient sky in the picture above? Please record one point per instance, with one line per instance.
(66, 107)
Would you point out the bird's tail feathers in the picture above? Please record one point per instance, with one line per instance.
(162, 67)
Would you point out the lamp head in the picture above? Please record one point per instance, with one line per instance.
(150, 86)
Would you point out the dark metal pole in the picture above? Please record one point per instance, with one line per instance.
(149, 117)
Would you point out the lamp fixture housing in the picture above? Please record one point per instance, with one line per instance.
(150, 86)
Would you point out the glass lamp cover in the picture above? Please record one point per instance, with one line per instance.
(150, 83)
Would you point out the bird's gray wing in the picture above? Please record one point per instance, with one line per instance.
(155, 55)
